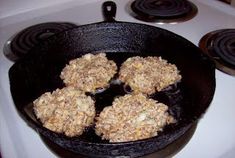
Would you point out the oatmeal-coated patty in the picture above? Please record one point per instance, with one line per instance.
(89, 72)
(132, 117)
(148, 75)
(66, 110)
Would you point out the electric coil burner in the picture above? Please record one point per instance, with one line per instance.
(19, 45)
(220, 46)
(163, 11)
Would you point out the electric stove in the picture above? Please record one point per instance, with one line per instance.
(214, 135)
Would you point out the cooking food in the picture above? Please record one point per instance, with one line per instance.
(66, 110)
(132, 117)
(148, 75)
(89, 72)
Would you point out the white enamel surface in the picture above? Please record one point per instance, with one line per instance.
(214, 137)
(13, 7)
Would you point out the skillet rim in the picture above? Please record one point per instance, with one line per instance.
(187, 123)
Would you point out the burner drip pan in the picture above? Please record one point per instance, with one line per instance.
(163, 11)
(19, 45)
(220, 46)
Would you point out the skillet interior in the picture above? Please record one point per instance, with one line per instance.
(39, 72)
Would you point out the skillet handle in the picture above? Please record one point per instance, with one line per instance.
(109, 11)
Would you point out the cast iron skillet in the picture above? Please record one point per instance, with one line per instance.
(39, 71)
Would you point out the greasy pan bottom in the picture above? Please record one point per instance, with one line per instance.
(167, 152)
(39, 72)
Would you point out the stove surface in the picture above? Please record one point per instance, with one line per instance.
(163, 11)
(214, 136)
(220, 46)
(18, 46)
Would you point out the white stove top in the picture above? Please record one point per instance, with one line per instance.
(214, 137)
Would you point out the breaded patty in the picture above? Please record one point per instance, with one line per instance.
(66, 110)
(132, 117)
(89, 72)
(148, 75)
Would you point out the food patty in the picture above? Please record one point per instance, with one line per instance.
(148, 75)
(66, 110)
(89, 72)
(132, 117)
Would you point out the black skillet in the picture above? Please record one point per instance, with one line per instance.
(188, 100)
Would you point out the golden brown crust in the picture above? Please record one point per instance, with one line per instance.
(132, 117)
(89, 72)
(66, 110)
(148, 75)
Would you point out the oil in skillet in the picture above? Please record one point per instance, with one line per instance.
(172, 96)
